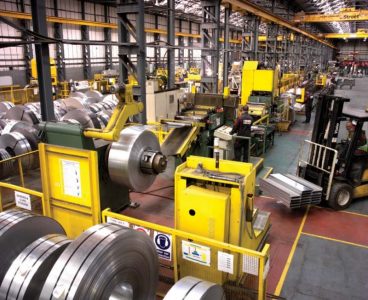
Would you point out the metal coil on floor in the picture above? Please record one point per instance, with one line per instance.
(5, 106)
(85, 118)
(94, 94)
(128, 156)
(6, 168)
(21, 113)
(28, 272)
(192, 288)
(104, 117)
(18, 229)
(72, 103)
(96, 107)
(105, 262)
(15, 144)
(78, 95)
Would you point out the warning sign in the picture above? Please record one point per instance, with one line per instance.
(117, 222)
(163, 245)
(196, 253)
(142, 229)
(23, 200)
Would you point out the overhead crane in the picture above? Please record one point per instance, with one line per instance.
(360, 34)
(344, 15)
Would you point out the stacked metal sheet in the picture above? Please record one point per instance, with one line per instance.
(291, 190)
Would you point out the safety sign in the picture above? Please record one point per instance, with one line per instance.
(142, 229)
(117, 222)
(163, 245)
(196, 253)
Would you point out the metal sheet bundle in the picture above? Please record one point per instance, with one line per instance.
(18, 229)
(291, 190)
(192, 288)
(105, 262)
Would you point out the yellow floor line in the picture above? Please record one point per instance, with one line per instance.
(354, 213)
(291, 255)
(334, 240)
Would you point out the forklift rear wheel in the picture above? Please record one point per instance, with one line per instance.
(340, 196)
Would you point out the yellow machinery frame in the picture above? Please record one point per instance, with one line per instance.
(74, 213)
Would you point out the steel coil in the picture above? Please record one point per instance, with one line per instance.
(18, 229)
(16, 144)
(85, 118)
(5, 106)
(125, 156)
(192, 288)
(94, 94)
(72, 103)
(105, 262)
(6, 168)
(21, 113)
(28, 272)
(78, 95)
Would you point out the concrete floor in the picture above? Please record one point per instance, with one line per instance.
(316, 253)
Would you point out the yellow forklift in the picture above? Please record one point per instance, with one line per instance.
(333, 165)
(337, 161)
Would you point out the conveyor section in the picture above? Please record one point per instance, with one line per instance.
(179, 140)
(291, 190)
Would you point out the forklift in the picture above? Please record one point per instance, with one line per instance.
(338, 165)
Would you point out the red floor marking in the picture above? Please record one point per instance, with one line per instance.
(285, 224)
(336, 225)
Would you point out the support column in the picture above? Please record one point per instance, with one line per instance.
(190, 44)
(38, 9)
(58, 33)
(157, 50)
(226, 47)
(87, 73)
(107, 39)
(250, 34)
(210, 45)
(181, 45)
(27, 48)
(133, 40)
(171, 42)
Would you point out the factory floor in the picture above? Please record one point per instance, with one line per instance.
(316, 253)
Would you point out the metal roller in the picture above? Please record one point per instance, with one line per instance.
(28, 272)
(18, 229)
(85, 118)
(192, 288)
(29, 132)
(15, 144)
(105, 262)
(21, 113)
(135, 159)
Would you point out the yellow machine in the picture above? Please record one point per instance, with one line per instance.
(321, 80)
(53, 70)
(300, 95)
(194, 74)
(106, 81)
(288, 81)
(214, 199)
(260, 84)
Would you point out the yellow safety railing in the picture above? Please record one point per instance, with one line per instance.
(159, 130)
(264, 120)
(17, 95)
(260, 259)
(17, 181)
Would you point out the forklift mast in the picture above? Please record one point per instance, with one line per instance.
(327, 120)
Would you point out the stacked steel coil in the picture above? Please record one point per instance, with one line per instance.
(105, 262)
(18, 124)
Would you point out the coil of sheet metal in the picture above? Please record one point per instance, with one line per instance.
(6, 168)
(28, 272)
(192, 288)
(85, 118)
(18, 229)
(21, 113)
(15, 144)
(105, 262)
(94, 94)
(126, 159)
(72, 103)
(5, 106)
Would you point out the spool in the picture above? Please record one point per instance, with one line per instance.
(28, 272)
(105, 262)
(127, 158)
(94, 94)
(72, 103)
(192, 288)
(6, 168)
(5, 106)
(18, 229)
